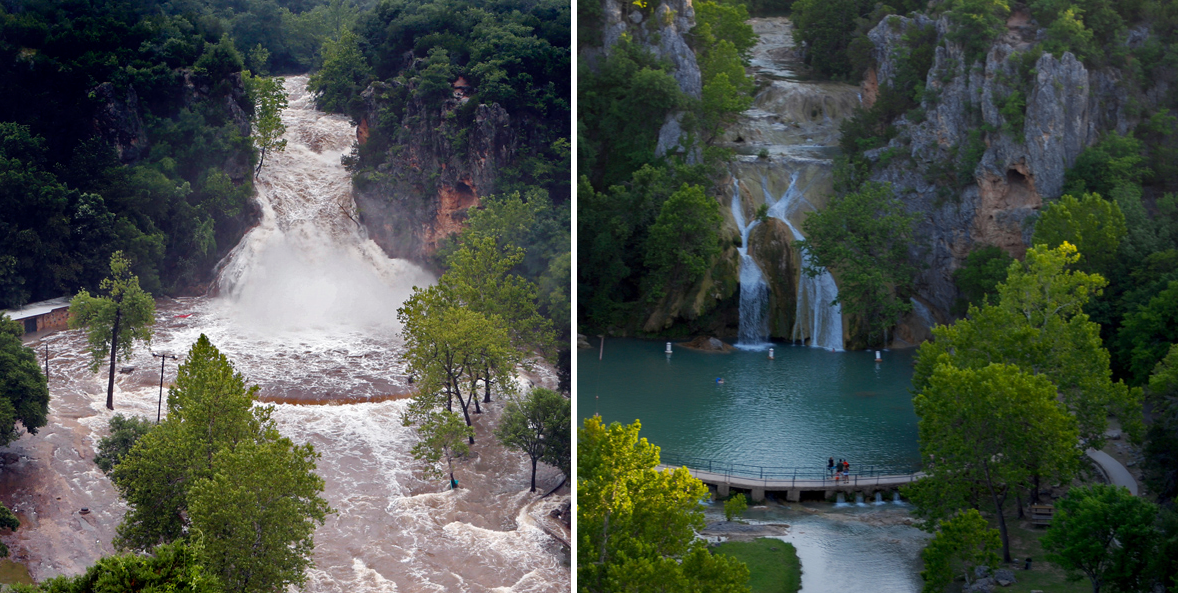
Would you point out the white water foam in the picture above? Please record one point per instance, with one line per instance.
(753, 325)
(817, 315)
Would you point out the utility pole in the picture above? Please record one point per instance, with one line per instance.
(160, 403)
(47, 366)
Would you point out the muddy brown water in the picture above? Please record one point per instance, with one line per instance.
(306, 311)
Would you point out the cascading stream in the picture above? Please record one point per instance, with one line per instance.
(817, 315)
(308, 263)
(754, 327)
(787, 142)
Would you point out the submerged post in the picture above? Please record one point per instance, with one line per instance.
(771, 356)
(668, 348)
(601, 344)
(878, 355)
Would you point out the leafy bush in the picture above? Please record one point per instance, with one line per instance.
(983, 269)
(125, 432)
(735, 506)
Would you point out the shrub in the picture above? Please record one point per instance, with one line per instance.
(735, 506)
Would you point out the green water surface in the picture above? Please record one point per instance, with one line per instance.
(795, 411)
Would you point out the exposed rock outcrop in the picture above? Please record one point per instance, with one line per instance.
(117, 121)
(707, 344)
(664, 32)
(443, 161)
(1022, 163)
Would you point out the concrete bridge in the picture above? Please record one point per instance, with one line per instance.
(795, 489)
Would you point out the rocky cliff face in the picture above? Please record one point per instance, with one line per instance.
(1068, 108)
(664, 32)
(444, 160)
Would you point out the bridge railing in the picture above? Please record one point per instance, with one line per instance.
(856, 473)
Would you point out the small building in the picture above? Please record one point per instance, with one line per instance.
(50, 315)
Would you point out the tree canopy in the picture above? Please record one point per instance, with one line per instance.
(115, 321)
(982, 434)
(24, 392)
(864, 237)
(636, 523)
(218, 466)
(961, 543)
(1107, 534)
(1038, 325)
(539, 426)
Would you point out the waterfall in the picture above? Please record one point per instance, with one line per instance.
(817, 316)
(753, 325)
(877, 499)
(308, 263)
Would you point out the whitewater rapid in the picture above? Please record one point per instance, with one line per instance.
(305, 307)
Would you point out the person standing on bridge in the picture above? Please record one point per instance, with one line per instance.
(831, 466)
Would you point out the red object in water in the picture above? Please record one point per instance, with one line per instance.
(185, 316)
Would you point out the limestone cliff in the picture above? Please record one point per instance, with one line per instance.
(441, 162)
(664, 32)
(1021, 162)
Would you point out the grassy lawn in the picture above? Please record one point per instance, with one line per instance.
(12, 573)
(774, 566)
(1025, 543)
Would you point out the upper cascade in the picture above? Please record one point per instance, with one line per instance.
(786, 144)
(308, 263)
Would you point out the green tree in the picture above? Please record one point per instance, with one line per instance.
(1094, 225)
(24, 392)
(218, 466)
(450, 349)
(479, 277)
(269, 102)
(1107, 534)
(864, 238)
(8, 520)
(342, 77)
(1038, 325)
(1146, 333)
(125, 432)
(961, 543)
(258, 513)
(1115, 160)
(1159, 449)
(220, 59)
(441, 437)
(683, 242)
(828, 29)
(976, 24)
(983, 269)
(537, 425)
(636, 523)
(115, 321)
(981, 433)
(735, 506)
(175, 567)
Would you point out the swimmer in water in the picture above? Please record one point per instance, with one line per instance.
(720, 380)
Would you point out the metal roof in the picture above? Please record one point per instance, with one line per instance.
(35, 309)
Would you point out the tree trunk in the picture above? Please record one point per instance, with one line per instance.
(533, 484)
(487, 386)
(261, 159)
(114, 351)
(470, 439)
(999, 514)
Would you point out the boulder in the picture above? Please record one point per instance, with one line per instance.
(707, 344)
(984, 585)
(1005, 578)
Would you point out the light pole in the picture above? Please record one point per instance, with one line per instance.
(160, 403)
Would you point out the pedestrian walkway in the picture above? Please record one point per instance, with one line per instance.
(1115, 472)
